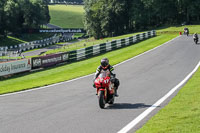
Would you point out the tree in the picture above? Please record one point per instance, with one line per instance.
(16, 15)
(90, 19)
(105, 17)
(2, 17)
(11, 10)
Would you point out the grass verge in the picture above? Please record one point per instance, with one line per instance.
(66, 72)
(181, 115)
(67, 16)
(23, 38)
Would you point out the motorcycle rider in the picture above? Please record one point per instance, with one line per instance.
(106, 66)
(195, 36)
(186, 31)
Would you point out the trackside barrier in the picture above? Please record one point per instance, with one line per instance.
(80, 54)
(109, 46)
(75, 55)
(14, 67)
(49, 60)
(36, 44)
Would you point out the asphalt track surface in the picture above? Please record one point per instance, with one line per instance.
(72, 107)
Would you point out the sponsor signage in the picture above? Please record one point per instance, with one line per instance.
(15, 67)
(49, 60)
(62, 30)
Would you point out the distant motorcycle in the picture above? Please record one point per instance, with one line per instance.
(105, 89)
(196, 39)
(186, 32)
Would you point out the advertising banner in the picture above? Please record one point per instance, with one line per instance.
(49, 60)
(13, 67)
(64, 30)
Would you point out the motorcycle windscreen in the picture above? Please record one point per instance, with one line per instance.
(104, 73)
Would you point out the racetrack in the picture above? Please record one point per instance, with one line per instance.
(72, 106)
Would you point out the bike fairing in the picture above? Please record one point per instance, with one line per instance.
(112, 75)
(105, 88)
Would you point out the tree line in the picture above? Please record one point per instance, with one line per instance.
(115, 17)
(17, 15)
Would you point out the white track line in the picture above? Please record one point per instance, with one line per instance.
(34, 89)
(155, 105)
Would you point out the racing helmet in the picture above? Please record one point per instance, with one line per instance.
(104, 63)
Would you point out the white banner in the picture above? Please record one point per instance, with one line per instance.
(15, 67)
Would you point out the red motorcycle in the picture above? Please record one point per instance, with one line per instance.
(105, 89)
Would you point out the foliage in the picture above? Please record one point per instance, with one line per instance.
(115, 17)
(16, 15)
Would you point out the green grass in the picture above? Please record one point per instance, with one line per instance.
(23, 38)
(9, 41)
(67, 72)
(182, 114)
(67, 16)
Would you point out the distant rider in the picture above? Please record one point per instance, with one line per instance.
(186, 31)
(195, 37)
(106, 66)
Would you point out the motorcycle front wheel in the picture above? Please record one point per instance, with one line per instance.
(101, 99)
(111, 101)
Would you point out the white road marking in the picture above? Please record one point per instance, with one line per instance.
(155, 105)
(34, 89)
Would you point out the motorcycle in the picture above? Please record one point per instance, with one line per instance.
(186, 32)
(105, 89)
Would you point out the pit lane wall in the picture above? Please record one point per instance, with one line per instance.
(18, 66)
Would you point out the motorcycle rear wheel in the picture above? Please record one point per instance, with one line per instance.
(101, 99)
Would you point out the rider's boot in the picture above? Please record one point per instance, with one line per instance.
(116, 95)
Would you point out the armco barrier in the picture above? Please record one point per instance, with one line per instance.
(36, 44)
(71, 56)
(88, 52)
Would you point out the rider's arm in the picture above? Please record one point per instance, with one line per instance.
(97, 72)
(111, 69)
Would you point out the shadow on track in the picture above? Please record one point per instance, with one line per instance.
(128, 106)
